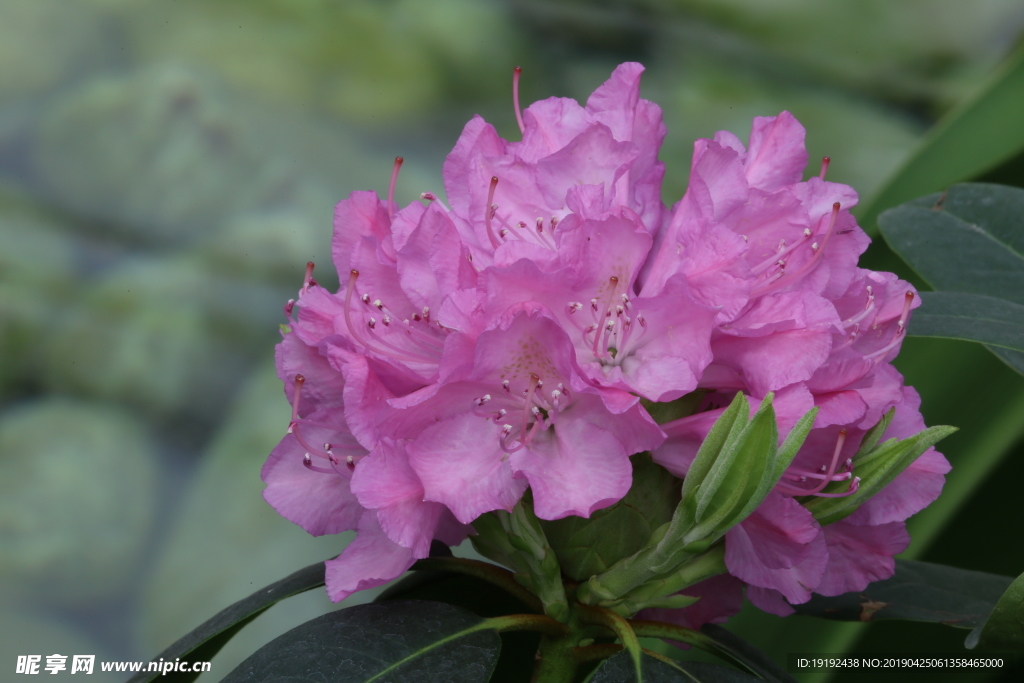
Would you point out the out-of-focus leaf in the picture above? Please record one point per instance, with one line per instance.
(620, 669)
(971, 317)
(918, 591)
(974, 137)
(206, 640)
(1005, 626)
(402, 640)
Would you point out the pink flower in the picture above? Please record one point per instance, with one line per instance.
(504, 342)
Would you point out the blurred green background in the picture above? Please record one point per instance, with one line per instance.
(167, 168)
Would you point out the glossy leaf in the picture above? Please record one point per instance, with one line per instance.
(207, 639)
(1005, 626)
(483, 599)
(971, 317)
(975, 137)
(918, 591)
(401, 640)
(967, 239)
(620, 669)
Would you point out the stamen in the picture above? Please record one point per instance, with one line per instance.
(288, 307)
(516, 73)
(299, 380)
(527, 404)
(308, 462)
(827, 476)
(613, 281)
(308, 280)
(825, 161)
(489, 212)
(901, 330)
(429, 196)
(809, 265)
(391, 186)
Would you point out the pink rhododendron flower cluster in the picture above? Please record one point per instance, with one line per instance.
(505, 341)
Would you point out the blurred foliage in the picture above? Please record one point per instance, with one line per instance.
(167, 168)
(66, 539)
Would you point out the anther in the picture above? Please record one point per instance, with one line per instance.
(288, 307)
(391, 186)
(429, 196)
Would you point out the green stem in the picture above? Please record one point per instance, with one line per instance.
(528, 622)
(593, 653)
(592, 614)
(555, 660)
(493, 574)
(693, 571)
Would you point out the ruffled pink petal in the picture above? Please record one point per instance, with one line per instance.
(577, 467)
(363, 214)
(478, 139)
(769, 600)
(384, 481)
(461, 466)
(321, 503)
(858, 555)
(370, 560)
(776, 156)
(779, 546)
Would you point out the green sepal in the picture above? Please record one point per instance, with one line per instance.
(662, 590)
(519, 537)
(736, 467)
(730, 491)
(876, 469)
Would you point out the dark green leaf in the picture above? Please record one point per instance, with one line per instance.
(207, 639)
(967, 239)
(1005, 626)
(1015, 359)
(405, 641)
(918, 591)
(620, 669)
(971, 317)
(483, 599)
(744, 651)
(975, 137)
